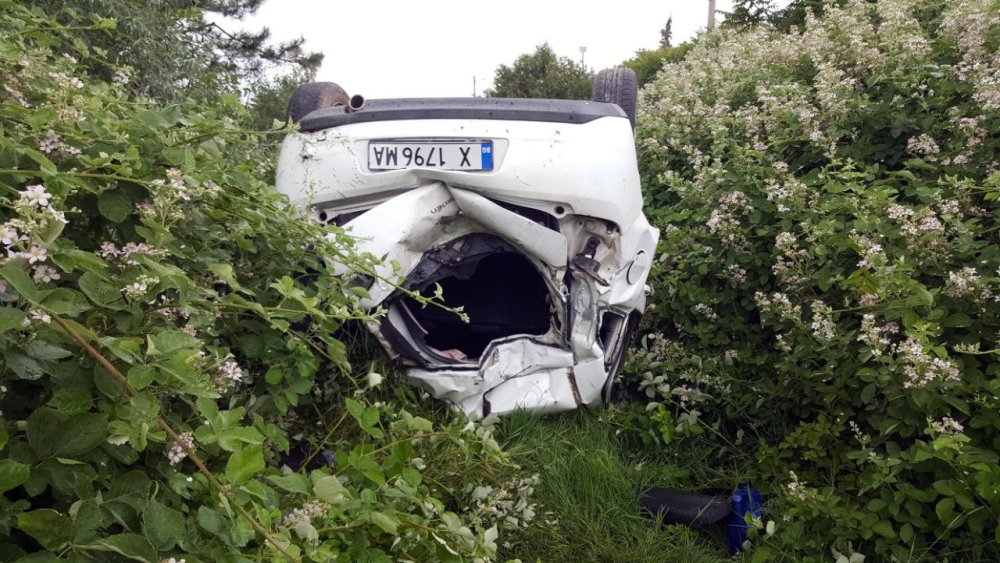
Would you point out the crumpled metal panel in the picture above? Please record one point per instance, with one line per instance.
(563, 369)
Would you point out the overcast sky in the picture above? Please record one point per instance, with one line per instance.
(401, 48)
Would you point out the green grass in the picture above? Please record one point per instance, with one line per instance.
(589, 482)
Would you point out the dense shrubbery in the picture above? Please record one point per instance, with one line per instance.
(828, 285)
(144, 244)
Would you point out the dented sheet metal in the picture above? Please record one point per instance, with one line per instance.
(562, 368)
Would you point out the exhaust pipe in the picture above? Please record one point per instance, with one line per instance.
(356, 103)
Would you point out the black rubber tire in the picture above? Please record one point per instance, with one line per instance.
(696, 510)
(313, 96)
(617, 86)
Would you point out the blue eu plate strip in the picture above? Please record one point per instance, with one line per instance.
(487, 156)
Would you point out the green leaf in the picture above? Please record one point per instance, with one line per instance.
(764, 554)
(71, 400)
(412, 476)
(945, 510)
(384, 521)
(51, 433)
(20, 281)
(920, 297)
(957, 320)
(66, 302)
(174, 155)
(42, 350)
(101, 292)
(212, 520)
(232, 439)
(329, 489)
(225, 273)
(24, 367)
(44, 164)
(162, 525)
(49, 527)
(293, 483)
(141, 376)
(884, 529)
(877, 504)
(868, 393)
(12, 474)
(355, 408)
(170, 341)
(958, 404)
(370, 417)
(10, 318)
(244, 464)
(145, 406)
(72, 259)
(114, 205)
(87, 520)
(420, 424)
(132, 546)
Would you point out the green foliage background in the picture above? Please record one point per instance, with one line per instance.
(542, 74)
(239, 431)
(826, 298)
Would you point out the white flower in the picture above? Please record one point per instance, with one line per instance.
(66, 81)
(45, 274)
(36, 315)
(374, 379)
(36, 195)
(8, 234)
(946, 425)
(924, 145)
(36, 254)
(309, 510)
(178, 452)
(962, 283)
(141, 285)
(707, 311)
(231, 371)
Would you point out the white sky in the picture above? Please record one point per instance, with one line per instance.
(400, 48)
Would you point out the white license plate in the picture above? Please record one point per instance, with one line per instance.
(444, 155)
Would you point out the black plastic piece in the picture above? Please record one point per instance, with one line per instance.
(512, 109)
(682, 507)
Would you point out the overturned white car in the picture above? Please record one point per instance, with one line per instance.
(527, 213)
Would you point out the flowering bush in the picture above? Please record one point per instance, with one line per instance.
(829, 271)
(172, 389)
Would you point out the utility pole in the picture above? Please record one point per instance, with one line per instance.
(711, 14)
(583, 52)
(473, 86)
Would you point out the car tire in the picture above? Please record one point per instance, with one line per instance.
(617, 86)
(695, 510)
(312, 96)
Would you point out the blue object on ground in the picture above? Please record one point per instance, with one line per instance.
(746, 500)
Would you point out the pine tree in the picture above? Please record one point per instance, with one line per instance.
(667, 33)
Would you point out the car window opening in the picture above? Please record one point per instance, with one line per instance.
(504, 296)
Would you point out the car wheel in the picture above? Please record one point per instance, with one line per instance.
(313, 96)
(617, 86)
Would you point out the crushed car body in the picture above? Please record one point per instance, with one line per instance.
(527, 214)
